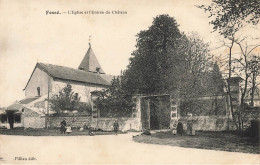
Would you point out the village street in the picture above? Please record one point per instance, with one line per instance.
(107, 149)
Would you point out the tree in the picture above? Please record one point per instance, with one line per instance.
(114, 101)
(254, 68)
(66, 99)
(243, 70)
(228, 17)
(168, 61)
(195, 74)
(149, 64)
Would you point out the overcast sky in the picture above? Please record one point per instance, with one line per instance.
(28, 35)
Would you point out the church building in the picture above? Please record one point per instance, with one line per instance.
(48, 79)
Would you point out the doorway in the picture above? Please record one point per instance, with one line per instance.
(155, 112)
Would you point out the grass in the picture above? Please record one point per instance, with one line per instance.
(223, 141)
(50, 132)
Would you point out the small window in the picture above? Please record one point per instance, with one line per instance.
(39, 91)
(76, 96)
(174, 115)
(174, 108)
(17, 118)
(3, 118)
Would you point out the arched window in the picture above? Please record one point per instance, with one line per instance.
(39, 91)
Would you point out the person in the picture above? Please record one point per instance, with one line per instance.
(180, 128)
(68, 130)
(63, 127)
(91, 131)
(146, 132)
(116, 126)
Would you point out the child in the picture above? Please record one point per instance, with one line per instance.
(116, 126)
(68, 130)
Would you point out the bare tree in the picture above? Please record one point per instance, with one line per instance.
(228, 17)
(254, 67)
(243, 70)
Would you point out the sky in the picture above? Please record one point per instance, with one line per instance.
(28, 35)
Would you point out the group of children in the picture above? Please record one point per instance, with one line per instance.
(64, 128)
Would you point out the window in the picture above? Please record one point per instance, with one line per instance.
(174, 115)
(17, 118)
(76, 96)
(3, 118)
(39, 91)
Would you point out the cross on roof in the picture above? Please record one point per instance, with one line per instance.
(89, 40)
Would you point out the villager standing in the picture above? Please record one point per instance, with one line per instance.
(63, 127)
(180, 128)
(10, 116)
(116, 126)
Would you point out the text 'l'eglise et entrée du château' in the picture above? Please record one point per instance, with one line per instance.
(78, 12)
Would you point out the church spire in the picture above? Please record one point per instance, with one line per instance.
(90, 62)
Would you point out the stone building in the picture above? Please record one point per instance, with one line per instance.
(49, 79)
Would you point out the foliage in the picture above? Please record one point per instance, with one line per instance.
(84, 108)
(253, 130)
(149, 64)
(114, 101)
(228, 17)
(66, 99)
(165, 59)
(199, 76)
(231, 15)
(254, 68)
(207, 107)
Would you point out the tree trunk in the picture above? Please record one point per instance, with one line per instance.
(228, 83)
(253, 89)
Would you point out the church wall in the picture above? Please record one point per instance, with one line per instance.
(83, 89)
(38, 79)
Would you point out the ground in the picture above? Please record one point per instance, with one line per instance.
(50, 132)
(109, 149)
(223, 141)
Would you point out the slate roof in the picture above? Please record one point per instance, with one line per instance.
(90, 62)
(14, 107)
(28, 100)
(67, 73)
(107, 77)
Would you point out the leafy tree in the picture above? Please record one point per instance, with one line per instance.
(166, 60)
(149, 64)
(229, 16)
(114, 101)
(195, 73)
(217, 80)
(66, 99)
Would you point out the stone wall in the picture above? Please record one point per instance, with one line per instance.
(251, 114)
(74, 121)
(105, 124)
(207, 123)
(31, 119)
(125, 124)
